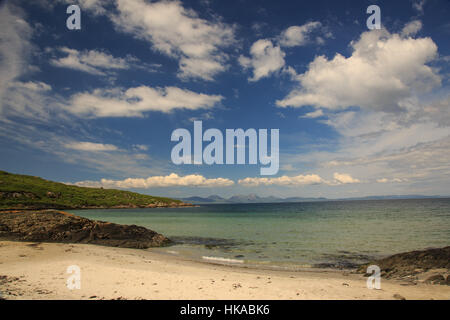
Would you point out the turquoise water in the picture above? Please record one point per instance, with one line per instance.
(327, 234)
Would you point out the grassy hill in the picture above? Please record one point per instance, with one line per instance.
(28, 192)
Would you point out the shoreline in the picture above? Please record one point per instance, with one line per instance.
(149, 206)
(30, 270)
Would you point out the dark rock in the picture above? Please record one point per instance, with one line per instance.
(399, 297)
(409, 264)
(58, 226)
(436, 279)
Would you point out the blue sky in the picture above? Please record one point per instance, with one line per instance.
(360, 112)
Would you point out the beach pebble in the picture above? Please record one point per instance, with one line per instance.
(399, 297)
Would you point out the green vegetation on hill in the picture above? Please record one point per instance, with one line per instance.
(28, 192)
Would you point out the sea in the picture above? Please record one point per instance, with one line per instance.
(327, 234)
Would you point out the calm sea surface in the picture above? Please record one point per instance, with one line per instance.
(289, 235)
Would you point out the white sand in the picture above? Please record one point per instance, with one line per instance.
(110, 273)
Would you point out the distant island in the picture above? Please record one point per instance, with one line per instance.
(29, 192)
(253, 198)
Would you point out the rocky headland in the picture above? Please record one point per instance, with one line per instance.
(59, 226)
(22, 192)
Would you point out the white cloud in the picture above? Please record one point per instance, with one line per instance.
(418, 5)
(94, 6)
(32, 85)
(140, 147)
(438, 111)
(90, 61)
(298, 35)
(299, 180)
(412, 158)
(134, 102)
(313, 114)
(383, 71)
(411, 28)
(265, 59)
(344, 178)
(386, 180)
(29, 100)
(410, 150)
(172, 180)
(90, 146)
(179, 33)
(370, 133)
(15, 46)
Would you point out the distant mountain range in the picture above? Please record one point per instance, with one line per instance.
(253, 198)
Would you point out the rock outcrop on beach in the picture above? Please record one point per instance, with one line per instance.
(430, 265)
(58, 226)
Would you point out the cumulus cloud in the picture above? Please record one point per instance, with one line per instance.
(411, 28)
(343, 178)
(133, 102)
(265, 59)
(171, 180)
(90, 146)
(383, 71)
(179, 33)
(90, 61)
(195, 180)
(298, 35)
(299, 180)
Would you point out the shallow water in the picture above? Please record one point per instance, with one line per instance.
(327, 234)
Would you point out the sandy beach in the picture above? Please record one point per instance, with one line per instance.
(38, 271)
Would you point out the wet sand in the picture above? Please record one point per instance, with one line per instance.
(38, 271)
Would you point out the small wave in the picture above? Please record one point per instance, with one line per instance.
(210, 243)
(222, 259)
